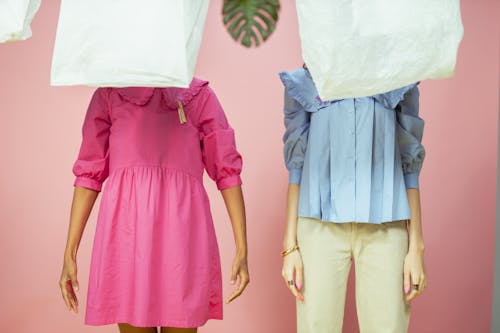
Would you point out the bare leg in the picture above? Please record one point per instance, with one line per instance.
(178, 330)
(126, 328)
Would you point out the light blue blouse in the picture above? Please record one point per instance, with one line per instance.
(353, 158)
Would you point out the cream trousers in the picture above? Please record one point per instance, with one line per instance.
(378, 251)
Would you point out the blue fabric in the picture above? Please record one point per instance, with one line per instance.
(353, 158)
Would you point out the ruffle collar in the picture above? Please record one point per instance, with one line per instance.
(300, 86)
(171, 96)
(392, 98)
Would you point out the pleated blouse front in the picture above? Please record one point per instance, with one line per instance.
(353, 158)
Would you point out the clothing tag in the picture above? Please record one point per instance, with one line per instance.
(180, 111)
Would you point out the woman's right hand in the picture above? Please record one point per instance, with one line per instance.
(293, 271)
(69, 284)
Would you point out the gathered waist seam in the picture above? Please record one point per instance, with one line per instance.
(141, 166)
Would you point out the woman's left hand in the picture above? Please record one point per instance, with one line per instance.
(415, 278)
(240, 275)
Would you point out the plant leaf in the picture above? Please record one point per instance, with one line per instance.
(250, 22)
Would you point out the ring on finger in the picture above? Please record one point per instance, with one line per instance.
(291, 282)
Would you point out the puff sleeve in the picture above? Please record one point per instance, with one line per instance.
(409, 130)
(222, 161)
(295, 138)
(92, 165)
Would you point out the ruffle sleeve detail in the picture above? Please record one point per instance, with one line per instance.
(92, 165)
(221, 159)
(410, 129)
(301, 88)
(296, 120)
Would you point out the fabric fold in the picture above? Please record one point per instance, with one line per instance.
(15, 19)
(388, 171)
(364, 161)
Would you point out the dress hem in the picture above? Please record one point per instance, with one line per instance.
(158, 323)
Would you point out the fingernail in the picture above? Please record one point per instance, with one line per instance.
(407, 290)
(299, 285)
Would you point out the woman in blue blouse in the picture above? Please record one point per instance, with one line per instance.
(353, 195)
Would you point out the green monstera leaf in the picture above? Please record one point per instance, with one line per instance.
(250, 21)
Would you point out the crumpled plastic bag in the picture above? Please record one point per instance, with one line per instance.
(356, 48)
(15, 19)
(148, 43)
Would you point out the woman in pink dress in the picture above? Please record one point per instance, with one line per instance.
(155, 260)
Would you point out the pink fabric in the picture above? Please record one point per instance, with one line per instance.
(155, 259)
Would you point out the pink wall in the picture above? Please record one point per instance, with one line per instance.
(40, 135)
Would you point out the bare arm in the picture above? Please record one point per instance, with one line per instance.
(416, 233)
(291, 216)
(414, 271)
(235, 205)
(83, 201)
(292, 263)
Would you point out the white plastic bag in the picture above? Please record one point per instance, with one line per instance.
(123, 43)
(15, 19)
(357, 48)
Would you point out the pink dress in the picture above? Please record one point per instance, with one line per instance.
(155, 259)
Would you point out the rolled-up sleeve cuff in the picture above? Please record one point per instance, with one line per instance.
(89, 183)
(228, 182)
(411, 180)
(295, 176)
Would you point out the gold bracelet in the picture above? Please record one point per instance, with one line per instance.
(290, 250)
